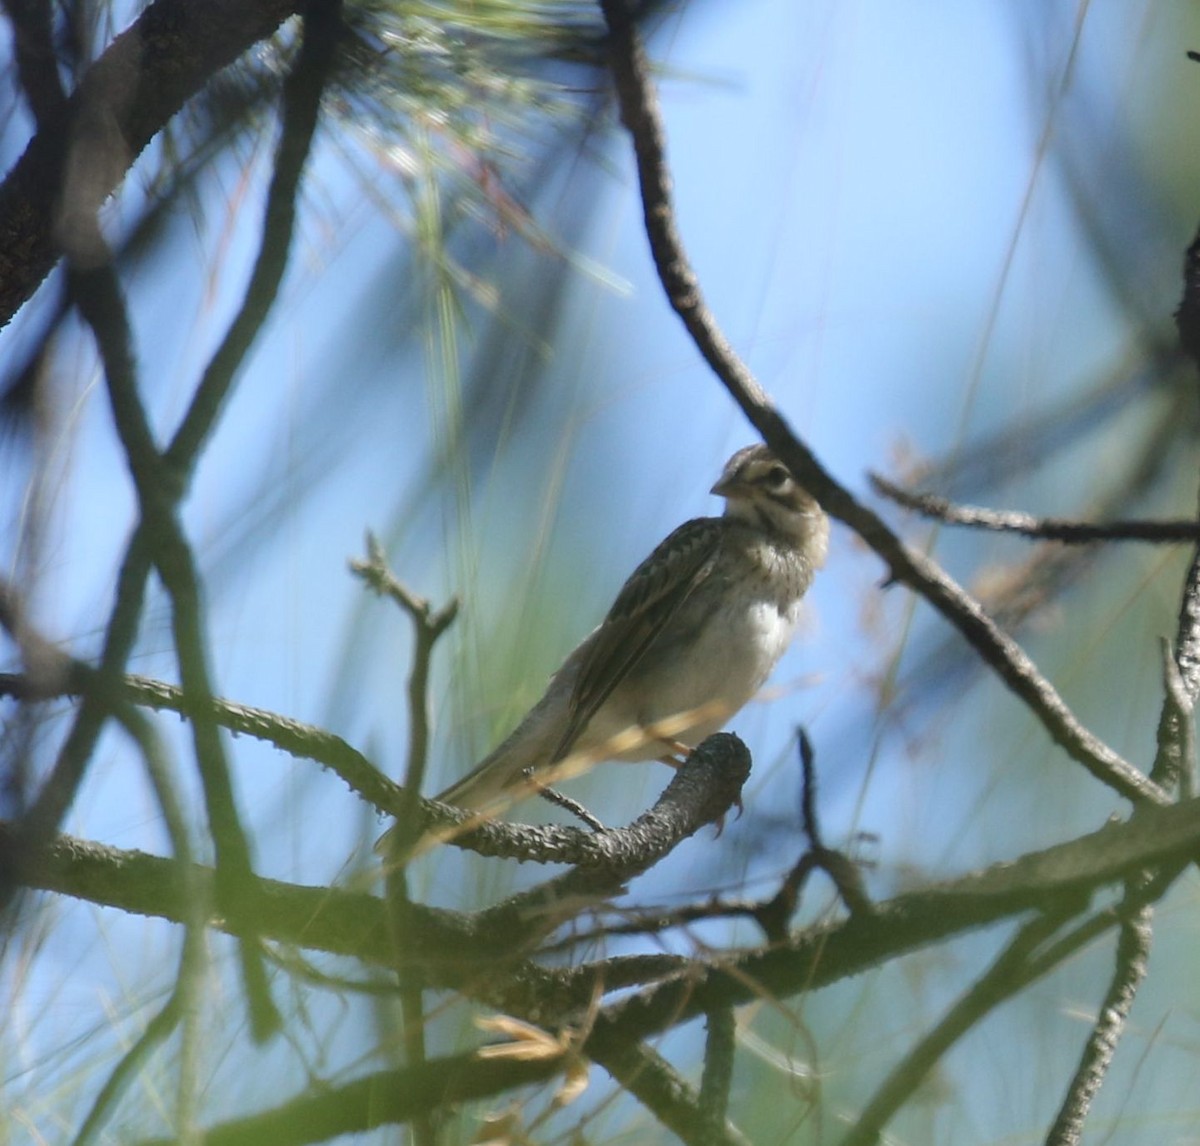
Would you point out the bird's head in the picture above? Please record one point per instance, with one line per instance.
(759, 488)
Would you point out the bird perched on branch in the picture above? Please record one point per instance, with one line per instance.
(693, 634)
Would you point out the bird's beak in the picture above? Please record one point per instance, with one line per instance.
(727, 485)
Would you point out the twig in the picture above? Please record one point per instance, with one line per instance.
(571, 806)
(1016, 967)
(640, 115)
(774, 915)
(349, 923)
(1043, 528)
(37, 65)
(319, 1113)
(428, 626)
(660, 1088)
(130, 1066)
(98, 296)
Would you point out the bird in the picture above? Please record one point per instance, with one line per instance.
(691, 637)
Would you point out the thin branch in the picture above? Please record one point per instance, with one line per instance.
(1042, 528)
(774, 915)
(234, 864)
(1187, 317)
(183, 1007)
(1018, 965)
(302, 93)
(167, 37)
(303, 741)
(1174, 754)
(640, 116)
(98, 296)
(428, 626)
(160, 479)
(661, 1089)
(130, 1067)
(571, 806)
(1133, 954)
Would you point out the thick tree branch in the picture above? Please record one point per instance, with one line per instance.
(352, 924)
(83, 148)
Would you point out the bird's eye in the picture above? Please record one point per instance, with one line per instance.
(776, 477)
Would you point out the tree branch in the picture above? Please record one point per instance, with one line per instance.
(1042, 528)
(143, 78)
(640, 115)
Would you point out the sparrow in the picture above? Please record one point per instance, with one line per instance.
(691, 637)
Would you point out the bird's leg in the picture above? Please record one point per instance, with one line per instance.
(677, 754)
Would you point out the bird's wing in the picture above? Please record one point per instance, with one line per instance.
(647, 601)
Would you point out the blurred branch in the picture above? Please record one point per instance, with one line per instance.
(374, 1100)
(1055, 427)
(37, 65)
(183, 1008)
(1031, 583)
(353, 924)
(161, 478)
(719, 1056)
(641, 117)
(1046, 528)
(51, 665)
(142, 79)
(98, 296)
(302, 92)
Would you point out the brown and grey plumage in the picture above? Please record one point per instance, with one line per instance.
(693, 634)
